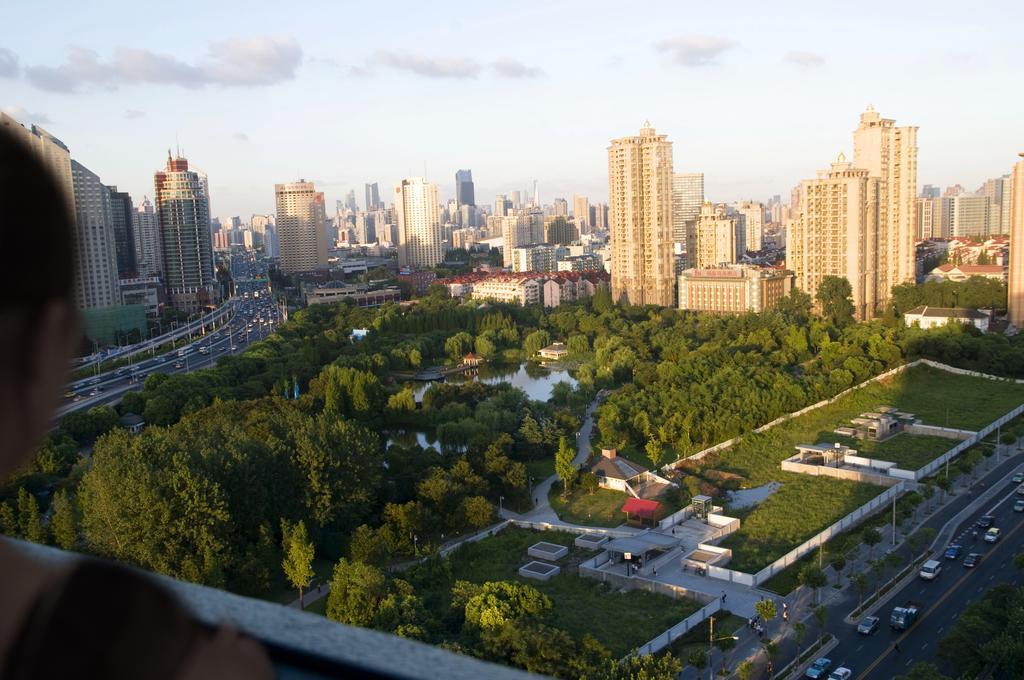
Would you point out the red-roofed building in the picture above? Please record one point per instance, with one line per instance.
(962, 272)
(641, 511)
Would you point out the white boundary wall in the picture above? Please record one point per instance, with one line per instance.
(665, 639)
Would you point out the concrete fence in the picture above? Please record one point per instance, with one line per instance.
(963, 371)
(870, 475)
(682, 628)
(546, 526)
(937, 431)
(976, 437)
(678, 517)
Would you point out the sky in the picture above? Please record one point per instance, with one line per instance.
(757, 95)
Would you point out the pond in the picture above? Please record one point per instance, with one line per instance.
(426, 440)
(536, 380)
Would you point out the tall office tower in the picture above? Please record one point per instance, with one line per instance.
(536, 195)
(183, 208)
(300, 223)
(998, 192)
(836, 233)
(753, 216)
(929, 191)
(640, 197)
(1016, 285)
(581, 211)
(96, 282)
(600, 221)
(148, 248)
(350, 201)
(121, 213)
(929, 218)
(97, 244)
(501, 205)
(516, 199)
(420, 239)
(517, 231)
(560, 206)
(716, 238)
(890, 154)
(687, 199)
(365, 228)
(372, 197)
(464, 193)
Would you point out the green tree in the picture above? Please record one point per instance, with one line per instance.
(367, 546)
(564, 466)
(923, 670)
(536, 341)
(502, 602)
(29, 521)
(9, 521)
(860, 582)
(821, 618)
(298, 557)
(357, 590)
(799, 634)
(834, 297)
(813, 577)
(839, 564)
(477, 512)
(655, 451)
(766, 609)
(698, 658)
(745, 670)
(870, 537)
(62, 523)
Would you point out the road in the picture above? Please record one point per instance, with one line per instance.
(254, 319)
(874, 657)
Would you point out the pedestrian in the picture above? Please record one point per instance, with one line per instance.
(897, 646)
(673, 531)
(750, 623)
(654, 570)
(723, 597)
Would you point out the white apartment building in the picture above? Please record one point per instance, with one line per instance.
(420, 237)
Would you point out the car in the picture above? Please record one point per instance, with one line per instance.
(1017, 478)
(953, 551)
(841, 673)
(1020, 490)
(985, 521)
(179, 364)
(70, 394)
(78, 397)
(1018, 506)
(94, 391)
(930, 570)
(868, 625)
(234, 348)
(992, 535)
(972, 560)
(819, 668)
(95, 381)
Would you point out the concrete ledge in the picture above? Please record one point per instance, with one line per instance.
(540, 571)
(543, 550)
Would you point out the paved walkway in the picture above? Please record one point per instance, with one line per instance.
(311, 596)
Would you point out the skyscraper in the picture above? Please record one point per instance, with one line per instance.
(183, 208)
(998, 192)
(301, 218)
(96, 283)
(372, 197)
(581, 211)
(464, 194)
(640, 217)
(753, 224)
(420, 238)
(836, 233)
(350, 201)
(561, 207)
(687, 199)
(716, 238)
(1016, 285)
(122, 222)
(890, 154)
(148, 247)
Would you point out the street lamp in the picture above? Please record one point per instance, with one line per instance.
(711, 646)
(500, 499)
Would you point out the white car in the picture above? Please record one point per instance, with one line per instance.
(841, 673)
(992, 535)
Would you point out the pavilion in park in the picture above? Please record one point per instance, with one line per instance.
(641, 512)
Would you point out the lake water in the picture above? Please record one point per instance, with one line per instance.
(537, 381)
(410, 437)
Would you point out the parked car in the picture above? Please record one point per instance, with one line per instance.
(819, 668)
(985, 521)
(868, 625)
(953, 551)
(972, 560)
(1018, 506)
(992, 535)
(1017, 478)
(841, 673)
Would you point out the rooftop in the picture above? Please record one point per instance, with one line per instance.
(946, 312)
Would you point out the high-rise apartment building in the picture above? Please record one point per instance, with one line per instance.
(372, 197)
(966, 215)
(998, 192)
(182, 203)
(518, 231)
(350, 201)
(836, 233)
(122, 222)
(716, 242)
(1016, 283)
(581, 211)
(687, 198)
(560, 207)
(148, 248)
(753, 224)
(96, 280)
(929, 218)
(599, 217)
(640, 201)
(502, 206)
(540, 257)
(96, 242)
(560, 230)
(890, 154)
(300, 220)
(420, 238)
(464, 192)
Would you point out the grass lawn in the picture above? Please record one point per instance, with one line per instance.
(908, 451)
(726, 623)
(805, 505)
(540, 469)
(599, 509)
(620, 621)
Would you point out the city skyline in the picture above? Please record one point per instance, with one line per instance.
(242, 136)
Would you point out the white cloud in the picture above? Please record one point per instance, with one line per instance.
(804, 59)
(240, 136)
(239, 62)
(696, 50)
(9, 67)
(510, 68)
(429, 67)
(133, 114)
(23, 116)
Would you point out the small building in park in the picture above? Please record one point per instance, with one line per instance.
(556, 351)
(472, 360)
(640, 549)
(133, 423)
(615, 472)
(641, 512)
